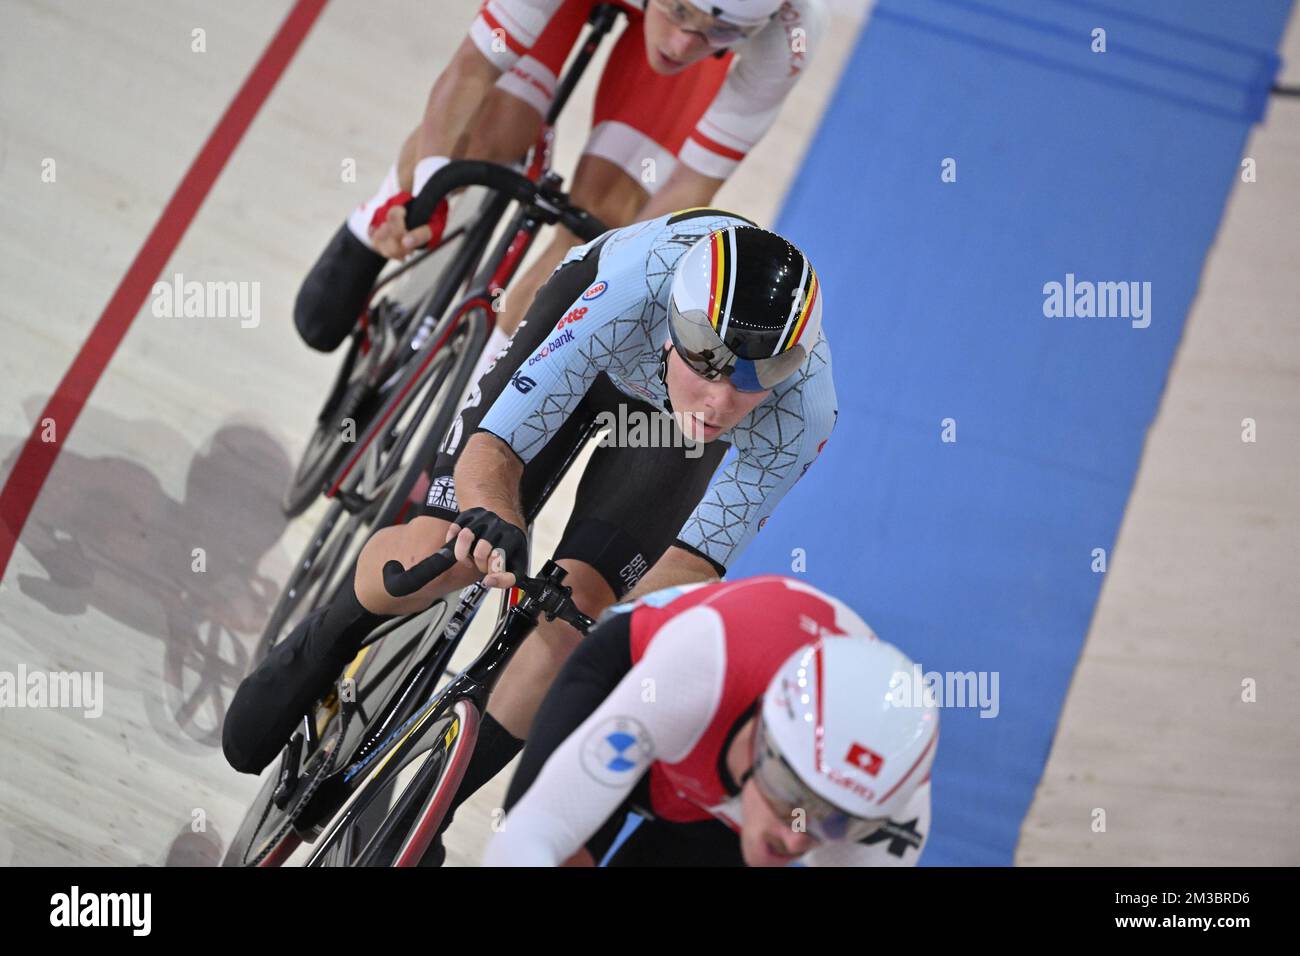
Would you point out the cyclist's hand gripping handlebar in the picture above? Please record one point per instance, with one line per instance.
(483, 525)
(547, 200)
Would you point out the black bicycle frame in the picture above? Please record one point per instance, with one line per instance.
(544, 594)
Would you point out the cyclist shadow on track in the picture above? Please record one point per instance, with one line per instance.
(108, 535)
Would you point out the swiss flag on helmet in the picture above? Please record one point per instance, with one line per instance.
(865, 759)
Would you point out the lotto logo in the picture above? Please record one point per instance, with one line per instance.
(596, 291)
(574, 315)
(864, 759)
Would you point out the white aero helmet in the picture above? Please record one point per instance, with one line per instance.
(841, 738)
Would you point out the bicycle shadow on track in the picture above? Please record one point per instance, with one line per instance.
(108, 535)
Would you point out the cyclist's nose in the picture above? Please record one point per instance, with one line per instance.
(724, 398)
(797, 844)
(680, 44)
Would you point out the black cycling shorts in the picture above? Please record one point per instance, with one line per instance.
(593, 670)
(631, 502)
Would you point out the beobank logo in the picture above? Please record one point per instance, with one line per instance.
(564, 338)
(573, 315)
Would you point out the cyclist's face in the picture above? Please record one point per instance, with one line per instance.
(769, 834)
(675, 35)
(707, 408)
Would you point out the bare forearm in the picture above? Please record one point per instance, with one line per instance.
(488, 476)
(453, 101)
(677, 566)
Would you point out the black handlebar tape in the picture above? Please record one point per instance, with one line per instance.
(400, 581)
(494, 176)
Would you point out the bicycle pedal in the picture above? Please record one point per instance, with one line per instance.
(288, 775)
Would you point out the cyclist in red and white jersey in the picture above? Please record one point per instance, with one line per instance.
(690, 87)
(752, 722)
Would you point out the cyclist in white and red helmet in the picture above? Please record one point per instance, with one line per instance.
(690, 87)
(753, 722)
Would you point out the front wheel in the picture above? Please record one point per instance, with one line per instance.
(435, 797)
(395, 814)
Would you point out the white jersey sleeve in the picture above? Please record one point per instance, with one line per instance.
(767, 67)
(664, 703)
(504, 30)
(898, 843)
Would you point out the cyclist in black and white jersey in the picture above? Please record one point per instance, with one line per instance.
(699, 313)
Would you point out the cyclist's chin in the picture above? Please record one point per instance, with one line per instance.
(755, 851)
(697, 428)
(663, 64)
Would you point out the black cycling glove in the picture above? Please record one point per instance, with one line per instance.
(499, 533)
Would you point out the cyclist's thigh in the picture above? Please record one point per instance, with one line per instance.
(586, 679)
(550, 303)
(640, 114)
(591, 672)
(632, 503)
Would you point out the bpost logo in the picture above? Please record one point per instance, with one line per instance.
(564, 338)
(596, 291)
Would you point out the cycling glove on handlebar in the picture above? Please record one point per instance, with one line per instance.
(499, 533)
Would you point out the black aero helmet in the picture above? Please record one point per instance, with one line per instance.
(745, 303)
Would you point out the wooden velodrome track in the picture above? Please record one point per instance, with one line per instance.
(187, 440)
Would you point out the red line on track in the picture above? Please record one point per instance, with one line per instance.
(64, 406)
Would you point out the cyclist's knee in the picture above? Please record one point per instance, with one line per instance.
(591, 592)
(408, 543)
(606, 191)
